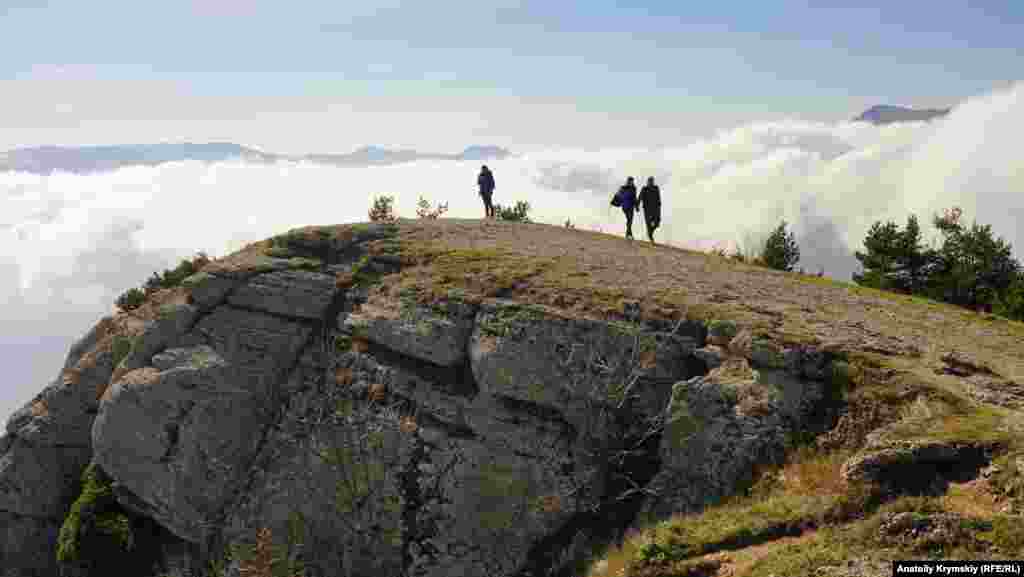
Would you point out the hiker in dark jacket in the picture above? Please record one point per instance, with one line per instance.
(650, 199)
(486, 182)
(626, 199)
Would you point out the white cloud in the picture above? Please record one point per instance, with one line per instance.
(70, 244)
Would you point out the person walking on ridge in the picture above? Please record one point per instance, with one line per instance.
(650, 199)
(626, 199)
(486, 182)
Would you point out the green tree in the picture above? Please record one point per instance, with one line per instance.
(1010, 303)
(895, 259)
(780, 250)
(973, 267)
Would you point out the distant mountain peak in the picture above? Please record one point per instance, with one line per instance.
(889, 114)
(483, 152)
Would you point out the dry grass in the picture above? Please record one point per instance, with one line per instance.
(265, 561)
(343, 376)
(737, 563)
(972, 499)
(813, 473)
(39, 408)
(797, 496)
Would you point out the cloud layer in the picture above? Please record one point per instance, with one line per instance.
(71, 244)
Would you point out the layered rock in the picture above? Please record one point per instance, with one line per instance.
(488, 431)
(450, 438)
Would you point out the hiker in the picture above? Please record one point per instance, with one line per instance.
(626, 199)
(486, 182)
(650, 199)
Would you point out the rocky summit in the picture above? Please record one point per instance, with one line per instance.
(462, 398)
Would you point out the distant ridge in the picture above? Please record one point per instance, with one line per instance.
(886, 114)
(90, 159)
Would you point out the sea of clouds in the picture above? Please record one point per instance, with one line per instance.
(69, 244)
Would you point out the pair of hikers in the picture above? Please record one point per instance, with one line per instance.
(627, 198)
(629, 201)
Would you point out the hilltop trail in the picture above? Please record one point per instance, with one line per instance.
(794, 308)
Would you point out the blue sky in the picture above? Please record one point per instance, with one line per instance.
(332, 76)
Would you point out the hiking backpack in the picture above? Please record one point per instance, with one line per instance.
(617, 199)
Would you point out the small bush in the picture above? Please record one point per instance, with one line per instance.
(518, 213)
(780, 250)
(383, 209)
(134, 298)
(569, 225)
(131, 299)
(174, 277)
(424, 209)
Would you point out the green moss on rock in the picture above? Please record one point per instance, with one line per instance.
(764, 353)
(504, 318)
(302, 263)
(95, 520)
(722, 329)
(342, 343)
(682, 424)
(122, 345)
(363, 273)
(279, 252)
(842, 375)
(196, 280)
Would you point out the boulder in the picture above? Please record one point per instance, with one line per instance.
(208, 290)
(259, 348)
(719, 427)
(437, 333)
(290, 293)
(179, 439)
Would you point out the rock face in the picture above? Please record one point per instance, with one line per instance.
(722, 425)
(390, 437)
(43, 453)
